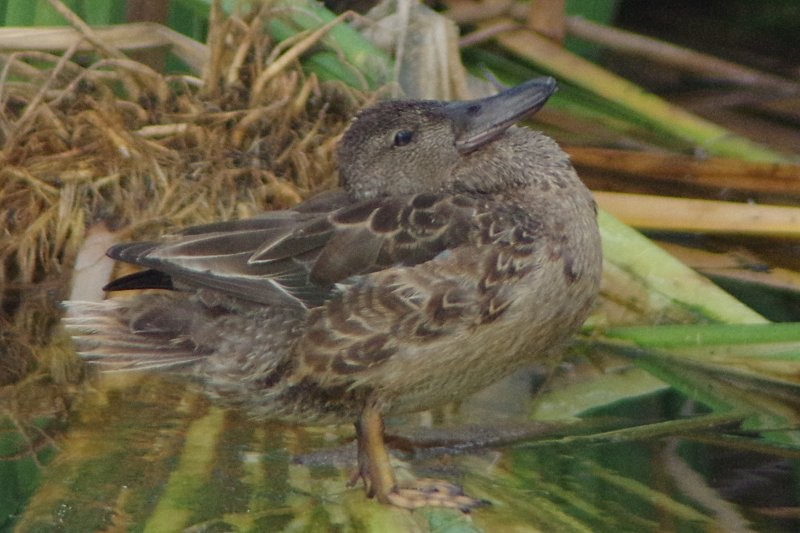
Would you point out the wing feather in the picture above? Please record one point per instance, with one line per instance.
(300, 257)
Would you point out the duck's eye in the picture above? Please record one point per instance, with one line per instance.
(403, 137)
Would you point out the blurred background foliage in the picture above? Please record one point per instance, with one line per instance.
(677, 409)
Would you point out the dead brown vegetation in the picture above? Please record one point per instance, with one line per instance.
(92, 137)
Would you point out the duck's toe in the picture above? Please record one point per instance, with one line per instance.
(426, 492)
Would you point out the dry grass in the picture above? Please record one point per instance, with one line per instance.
(98, 138)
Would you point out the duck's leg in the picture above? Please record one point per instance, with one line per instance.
(374, 467)
(376, 471)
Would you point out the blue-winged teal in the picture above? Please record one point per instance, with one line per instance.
(458, 249)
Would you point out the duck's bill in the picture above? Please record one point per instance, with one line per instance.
(481, 121)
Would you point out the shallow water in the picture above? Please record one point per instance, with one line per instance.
(147, 453)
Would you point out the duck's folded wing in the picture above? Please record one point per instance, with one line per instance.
(296, 257)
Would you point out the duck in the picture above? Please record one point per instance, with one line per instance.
(458, 248)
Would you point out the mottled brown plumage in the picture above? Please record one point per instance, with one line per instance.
(458, 249)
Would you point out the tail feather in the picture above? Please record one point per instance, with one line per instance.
(103, 336)
(241, 352)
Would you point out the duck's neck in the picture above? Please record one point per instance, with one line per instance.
(529, 173)
(522, 158)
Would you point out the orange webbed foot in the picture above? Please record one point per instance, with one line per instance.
(425, 492)
(376, 472)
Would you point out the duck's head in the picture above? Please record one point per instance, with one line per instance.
(410, 146)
